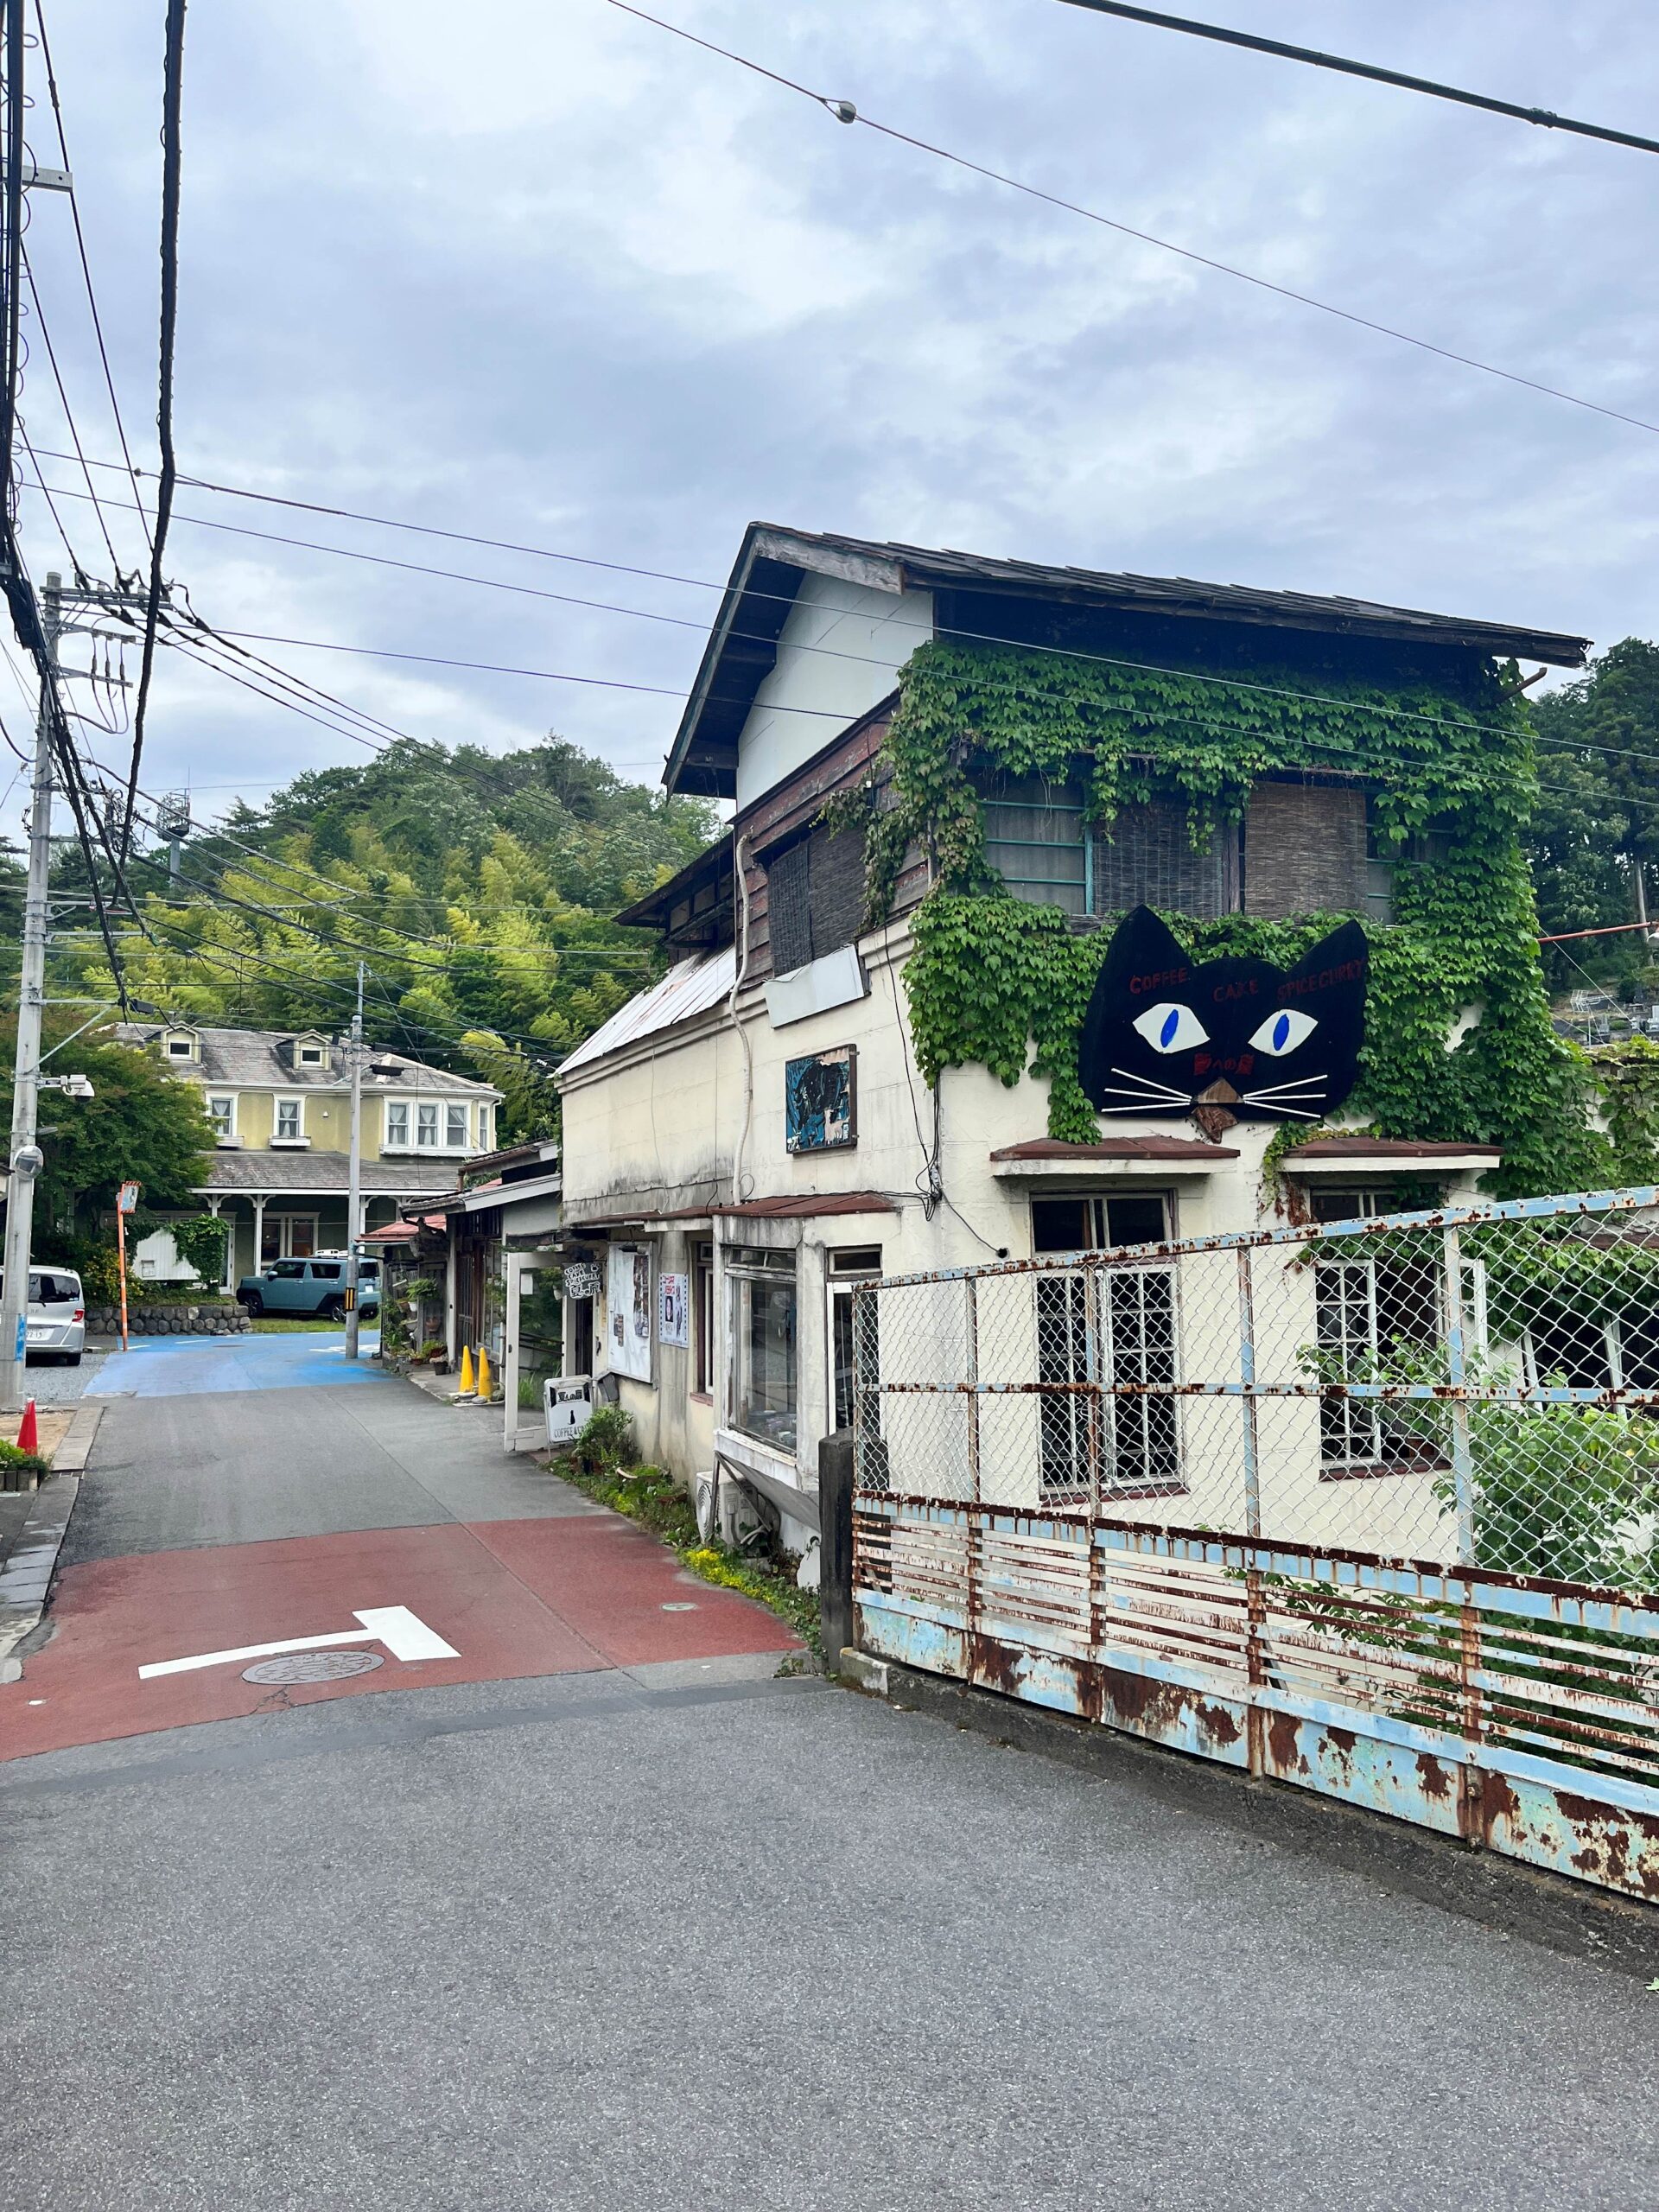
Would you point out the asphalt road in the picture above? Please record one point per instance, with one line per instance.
(671, 1932)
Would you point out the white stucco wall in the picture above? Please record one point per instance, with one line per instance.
(813, 692)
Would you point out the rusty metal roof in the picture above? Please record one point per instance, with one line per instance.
(690, 987)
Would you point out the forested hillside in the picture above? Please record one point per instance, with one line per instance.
(1597, 818)
(476, 886)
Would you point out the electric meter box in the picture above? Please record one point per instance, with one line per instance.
(568, 1402)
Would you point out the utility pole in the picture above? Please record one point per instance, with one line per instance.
(353, 1199)
(25, 1154)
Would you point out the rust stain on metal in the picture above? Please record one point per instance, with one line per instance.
(1284, 1744)
(1432, 1773)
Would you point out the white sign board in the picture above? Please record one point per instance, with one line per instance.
(126, 1198)
(673, 1310)
(628, 1318)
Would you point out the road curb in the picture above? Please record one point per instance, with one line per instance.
(1502, 1894)
(26, 1578)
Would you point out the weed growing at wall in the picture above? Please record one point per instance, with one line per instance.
(997, 980)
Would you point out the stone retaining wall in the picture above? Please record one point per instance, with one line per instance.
(147, 1320)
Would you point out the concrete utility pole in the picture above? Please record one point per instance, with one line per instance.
(354, 1183)
(25, 1154)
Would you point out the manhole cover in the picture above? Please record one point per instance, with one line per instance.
(314, 1667)
(684, 1606)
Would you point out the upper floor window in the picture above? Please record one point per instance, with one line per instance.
(815, 897)
(1301, 848)
(396, 1121)
(288, 1117)
(180, 1048)
(222, 1112)
(426, 1125)
(454, 1132)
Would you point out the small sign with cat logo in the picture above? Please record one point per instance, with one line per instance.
(1234, 1039)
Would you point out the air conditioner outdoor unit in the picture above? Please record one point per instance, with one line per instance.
(568, 1400)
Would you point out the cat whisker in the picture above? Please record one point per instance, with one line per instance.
(1280, 1106)
(1302, 1082)
(1150, 1083)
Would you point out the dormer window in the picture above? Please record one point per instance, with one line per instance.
(180, 1045)
(308, 1053)
(311, 1056)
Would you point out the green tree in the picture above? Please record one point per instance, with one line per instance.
(478, 886)
(1596, 821)
(142, 1125)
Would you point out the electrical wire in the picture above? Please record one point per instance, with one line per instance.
(1253, 43)
(69, 420)
(85, 265)
(172, 105)
(844, 112)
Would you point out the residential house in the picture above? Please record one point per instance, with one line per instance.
(280, 1103)
(752, 1137)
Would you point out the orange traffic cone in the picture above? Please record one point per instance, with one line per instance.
(468, 1386)
(29, 1433)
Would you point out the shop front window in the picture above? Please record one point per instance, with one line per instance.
(764, 1368)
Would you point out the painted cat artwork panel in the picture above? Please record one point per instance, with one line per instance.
(1234, 1039)
(821, 1101)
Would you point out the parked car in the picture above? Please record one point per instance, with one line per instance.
(311, 1289)
(56, 1328)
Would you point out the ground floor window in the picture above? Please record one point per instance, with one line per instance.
(1117, 1326)
(702, 1318)
(287, 1236)
(851, 1367)
(1381, 1318)
(763, 1336)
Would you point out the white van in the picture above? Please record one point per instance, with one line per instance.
(57, 1315)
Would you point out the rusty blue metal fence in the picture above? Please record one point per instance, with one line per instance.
(1371, 1507)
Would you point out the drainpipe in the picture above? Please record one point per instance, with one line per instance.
(738, 981)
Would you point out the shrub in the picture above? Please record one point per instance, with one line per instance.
(31, 1461)
(605, 1442)
(433, 1348)
(200, 1242)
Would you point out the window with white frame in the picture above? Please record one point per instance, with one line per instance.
(222, 1113)
(454, 1129)
(426, 1125)
(1132, 1443)
(763, 1379)
(396, 1121)
(289, 1118)
(180, 1048)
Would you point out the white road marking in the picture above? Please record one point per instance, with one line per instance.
(405, 1635)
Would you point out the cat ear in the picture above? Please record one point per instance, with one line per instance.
(1339, 961)
(1142, 944)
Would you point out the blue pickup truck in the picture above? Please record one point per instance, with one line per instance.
(311, 1289)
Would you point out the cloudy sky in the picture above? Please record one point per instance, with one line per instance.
(540, 272)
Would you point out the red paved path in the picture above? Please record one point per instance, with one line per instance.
(514, 1597)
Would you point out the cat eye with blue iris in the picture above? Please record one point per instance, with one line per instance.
(1171, 1028)
(1283, 1032)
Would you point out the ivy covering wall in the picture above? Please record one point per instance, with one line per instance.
(997, 980)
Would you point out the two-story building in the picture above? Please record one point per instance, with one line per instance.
(280, 1103)
(865, 1057)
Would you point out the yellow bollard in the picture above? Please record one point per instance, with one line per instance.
(485, 1387)
(467, 1386)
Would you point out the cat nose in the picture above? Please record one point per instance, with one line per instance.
(1220, 1093)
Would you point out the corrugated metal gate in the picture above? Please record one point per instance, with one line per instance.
(1371, 1507)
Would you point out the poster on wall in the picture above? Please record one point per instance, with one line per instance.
(628, 1324)
(673, 1313)
(582, 1279)
(821, 1101)
(1234, 1039)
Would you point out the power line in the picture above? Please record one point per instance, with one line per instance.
(172, 105)
(86, 264)
(69, 420)
(1367, 69)
(844, 112)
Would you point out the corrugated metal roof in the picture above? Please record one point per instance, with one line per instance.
(690, 987)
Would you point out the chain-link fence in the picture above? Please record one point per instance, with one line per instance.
(1472, 1388)
(1367, 1505)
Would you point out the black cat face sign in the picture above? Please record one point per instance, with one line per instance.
(1165, 1033)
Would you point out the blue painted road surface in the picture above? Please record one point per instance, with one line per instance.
(185, 1367)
